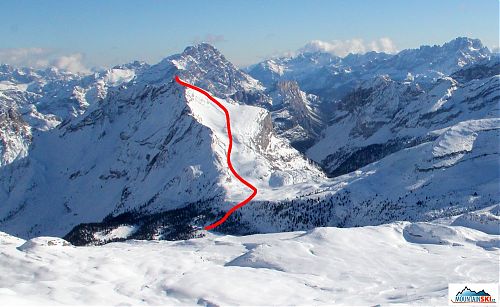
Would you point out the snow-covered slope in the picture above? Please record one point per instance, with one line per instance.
(398, 263)
(149, 146)
(435, 179)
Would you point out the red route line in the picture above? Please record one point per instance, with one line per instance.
(229, 164)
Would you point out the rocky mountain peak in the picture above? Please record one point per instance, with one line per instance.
(202, 54)
(204, 66)
(466, 44)
(202, 48)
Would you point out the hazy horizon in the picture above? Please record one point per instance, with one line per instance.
(79, 35)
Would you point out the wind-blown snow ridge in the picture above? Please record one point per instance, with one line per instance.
(229, 164)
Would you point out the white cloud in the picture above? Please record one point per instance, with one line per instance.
(355, 45)
(42, 58)
(71, 62)
(383, 44)
(32, 57)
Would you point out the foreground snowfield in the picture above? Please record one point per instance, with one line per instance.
(402, 262)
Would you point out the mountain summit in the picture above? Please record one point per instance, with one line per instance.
(204, 66)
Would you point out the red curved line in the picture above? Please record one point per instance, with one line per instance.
(230, 136)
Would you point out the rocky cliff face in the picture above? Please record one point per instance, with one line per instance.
(15, 136)
(295, 114)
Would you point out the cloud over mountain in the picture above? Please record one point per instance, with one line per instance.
(37, 57)
(355, 45)
(71, 62)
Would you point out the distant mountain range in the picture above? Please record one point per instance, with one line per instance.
(328, 141)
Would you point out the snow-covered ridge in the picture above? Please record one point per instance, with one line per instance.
(147, 147)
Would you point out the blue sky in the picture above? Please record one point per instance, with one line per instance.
(104, 33)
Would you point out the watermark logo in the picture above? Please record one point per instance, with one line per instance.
(473, 294)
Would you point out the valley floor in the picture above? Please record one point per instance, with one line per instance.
(408, 263)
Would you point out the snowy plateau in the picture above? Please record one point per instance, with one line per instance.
(377, 175)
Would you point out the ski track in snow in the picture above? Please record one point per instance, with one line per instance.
(229, 164)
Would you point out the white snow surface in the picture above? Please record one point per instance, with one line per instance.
(398, 263)
(267, 167)
(120, 232)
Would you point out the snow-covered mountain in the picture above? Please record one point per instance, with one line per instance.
(152, 146)
(332, 77)
(42, 99)
(206, 67)
(430, 172)
(300, 68)
(383, 116)
(132, 154)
